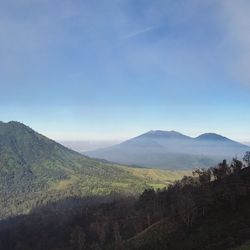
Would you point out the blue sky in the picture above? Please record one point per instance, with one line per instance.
(100, 70)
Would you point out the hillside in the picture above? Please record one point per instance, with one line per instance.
(208, 211)
(35, 170)
(172, 150)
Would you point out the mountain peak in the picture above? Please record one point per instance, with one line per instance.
(13, 123)
(164, 134)
(212, 137)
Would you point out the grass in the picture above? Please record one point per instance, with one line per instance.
(157, 177)
(154, 178)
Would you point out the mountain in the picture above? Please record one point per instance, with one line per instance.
(35, 170)
(172, 150)
(212, 137)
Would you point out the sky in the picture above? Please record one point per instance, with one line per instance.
(110, 70)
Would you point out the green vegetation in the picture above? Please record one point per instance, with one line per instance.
(56, 199)
(157, 178)
(209, 210)
(35, 170)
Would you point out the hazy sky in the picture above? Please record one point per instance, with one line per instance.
(94, 69)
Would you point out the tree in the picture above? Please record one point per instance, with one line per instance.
(186, 208)
(236, 165)
(187, 181)
(78, 238)
(203, 174)
(246, 158)
(117, 235)
(221, 171)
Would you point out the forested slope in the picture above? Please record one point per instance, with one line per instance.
(35, 170)
(207, 211)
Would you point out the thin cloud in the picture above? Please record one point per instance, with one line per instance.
(237, 23)
(138, 33)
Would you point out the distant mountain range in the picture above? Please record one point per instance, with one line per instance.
(172, 150)
(35, 170)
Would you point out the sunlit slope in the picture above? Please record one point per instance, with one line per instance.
(35, 170)
(157, 178)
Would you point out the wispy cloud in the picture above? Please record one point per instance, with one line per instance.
(138, 32)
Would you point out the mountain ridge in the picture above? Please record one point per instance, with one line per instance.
(164, 133)
(171, 150)
(175, 134)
